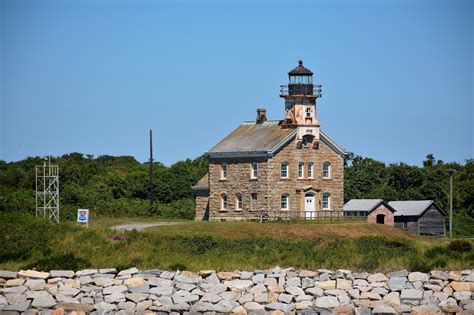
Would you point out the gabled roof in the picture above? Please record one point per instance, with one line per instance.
(365, 205)
(202, 184)
(300, 70)
(261, 139)
(412, 207)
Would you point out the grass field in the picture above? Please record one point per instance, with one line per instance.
(26, 242)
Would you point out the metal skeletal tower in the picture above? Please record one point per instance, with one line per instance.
(47, 191)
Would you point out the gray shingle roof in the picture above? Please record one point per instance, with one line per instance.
(252, 139)
(410, 207)
(203, 183)
(361, 204)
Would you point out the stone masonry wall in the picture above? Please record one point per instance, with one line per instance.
(389, 216)
(270, 291)
(294, 186)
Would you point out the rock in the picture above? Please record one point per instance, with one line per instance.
(218, 289)
(450, 306)
(253, 307)
(307, 283)
(360, 283)
(303, 305)
(398, 274)
(326, 285)
(224, 306)
(354, 293)
(411, 294)
(397, 283)
(139, 289)
(380, 291)
(105, 306)
(270, 282)
(462, 295)
(246, 275)
(246, 298)
(315, 291)
(44, 302)
(115, 289)
(293, 282)
(361, 275)
(108, 270)
(33, 274)
(19, 307)
(128, 272)
(393, 298)
(230, 295)
(437, 274)
(212, 279)
(137, 281)
(377, 277)
(35, 284)
(62, 273)
(15, 298)
(383, 309)
(294, 290)
(167, 275)
(206, 273)
(226, 275)
(462, 286)
(202, 307)
(36, 294)
(418, 276)
(144, 305)
(327, 302)
(370, 296)
(68, 291)
(343, 284)
(238, 285)
(454, 275)
(343, 310)
(335, 292)
(5, 274)
(187, 277)
(277, 306)
(258, 278)
(86, 272)
(239, 310)
(185, 286)
(261, 298)
(285, 298)
(185, 299)
(78, 307)
(14, 282)
(162, 290)
(307, 273)
(426, 310)
(344, 300)
(469, 306)
(210, 297)
(114, 298)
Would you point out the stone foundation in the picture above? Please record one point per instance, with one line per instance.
(275, 291)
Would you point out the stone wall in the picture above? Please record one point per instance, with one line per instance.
(273, 291)
(381, 209)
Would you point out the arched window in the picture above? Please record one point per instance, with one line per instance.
(238, 202)
(224, 170)
(300, 169)
(326, 170)
(253, 202)
(284, 202)
(326, 202)
(224, 202)
(284, 170)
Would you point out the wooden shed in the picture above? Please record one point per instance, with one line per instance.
(422, 217)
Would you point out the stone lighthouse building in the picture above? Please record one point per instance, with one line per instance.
(274, 167)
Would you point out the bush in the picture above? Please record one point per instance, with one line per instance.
(60, 261)
(460, 246)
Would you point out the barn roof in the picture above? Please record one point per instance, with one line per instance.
(260, 139)
(202, 184)
(364, 205)
(410, 207)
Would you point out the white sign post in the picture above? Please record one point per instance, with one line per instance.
(83, 216)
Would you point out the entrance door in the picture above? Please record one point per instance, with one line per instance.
(380, 219)
(309, 206)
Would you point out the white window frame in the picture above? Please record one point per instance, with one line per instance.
(301, 170)
(284, 202)
(328, 196)
(284, 168)
(224, 170)
(239, 201)
(326, 173)
(253, 202)
(224, 202)
(310, 169)
(253, 170)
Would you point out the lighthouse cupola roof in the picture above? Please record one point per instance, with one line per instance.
(300, 70)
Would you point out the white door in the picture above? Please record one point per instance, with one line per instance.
(309, 206)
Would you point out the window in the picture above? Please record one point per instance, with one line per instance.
(310, 170)
(284, 170)
(405, 225)
(223, 171)
(254, 170)
(223, 202)
(253, 202)
(327, 170)
(301, 170)
(238, 202)
(308, 112)
(326, 201)
(284, 202)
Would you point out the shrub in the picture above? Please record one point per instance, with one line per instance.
(59, 261)
(460, 246)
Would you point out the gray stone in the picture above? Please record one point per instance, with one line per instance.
(86, 272)
(202, 307)
(218, 289)
(246, 298)
(397, 283)
(354, 293)
(335, 292)
(5, 274)
(139, 289)
(144, 305)
(185, 299)
(3, 300)
(44, 302)
(103, 282)
(307, 283)
(128, 272)
(62, 273)
(160, 282)
(361, 275)
(68, 291)
(253, 307)
(258, 278)
(238, 284)
(185, 286)
(187, 277)
(115, 289)
(15, 298)
(370, 296)
(377, 277)
(162, 290)
(285, 298)
(294, 290)
(437, 274)
(398, 274)
(315, 291)
(359, 283)
(343, 284)
(418, 276)
(224, 306)
(393, 298)
(411, 294)
(344, 300)
(383, 309)
(230, 295)
(212, 279)
(246, 275)
(126, 306)
(261, 298)
(363, 311)
(105, 306)
(462, 295)
(210, 297)
(327, 302)
(167, 275)
(277, 306)
(19, 307)
(305, 297)
(293, 282)
(114, 298)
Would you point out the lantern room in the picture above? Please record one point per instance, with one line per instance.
(300, 80)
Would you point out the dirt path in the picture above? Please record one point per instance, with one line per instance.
(140, 226)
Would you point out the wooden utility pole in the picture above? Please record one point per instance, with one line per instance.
(152, 197)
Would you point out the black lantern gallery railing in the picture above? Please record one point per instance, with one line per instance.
(301, 89)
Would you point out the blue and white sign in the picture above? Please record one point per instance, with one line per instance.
(83, 215)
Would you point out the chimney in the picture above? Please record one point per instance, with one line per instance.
(261, 115)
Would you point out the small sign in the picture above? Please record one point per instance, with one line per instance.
(83, 215)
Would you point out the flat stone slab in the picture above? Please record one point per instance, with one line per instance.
(33, 274)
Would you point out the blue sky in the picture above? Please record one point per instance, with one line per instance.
(95, 76)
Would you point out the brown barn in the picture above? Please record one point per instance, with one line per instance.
(375, 210)
(287, 165)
